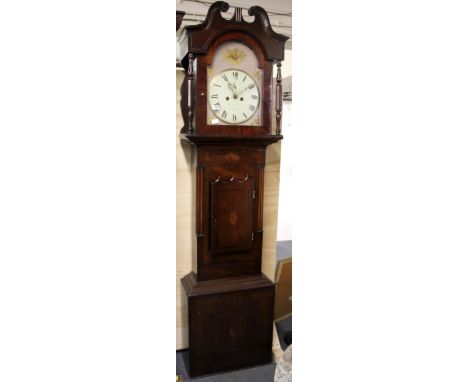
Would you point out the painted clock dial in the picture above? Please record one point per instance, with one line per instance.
(234, 86)
(233, 96)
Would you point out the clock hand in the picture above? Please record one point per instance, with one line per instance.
(235, 91)
(231, 87)
(243, 90)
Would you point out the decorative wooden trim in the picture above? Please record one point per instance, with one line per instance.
(260, 186)
(189, 93)
(193, 287)
(238, 15)
(279, 98)
(179, 17)
(232, 157)
(199, 140)
(183, 103)
(200, 37)
(230, 180)
(200, 201)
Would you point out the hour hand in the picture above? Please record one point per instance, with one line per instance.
(231, 87)
(235, 91)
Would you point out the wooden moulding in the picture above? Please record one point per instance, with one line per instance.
(199, 139)
(231, 284)
(201, 36)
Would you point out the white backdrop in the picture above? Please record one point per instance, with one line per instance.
(87, 191)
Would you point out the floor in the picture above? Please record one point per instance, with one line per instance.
(263, 373)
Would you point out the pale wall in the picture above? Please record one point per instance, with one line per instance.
(185, 249)
(286, 205)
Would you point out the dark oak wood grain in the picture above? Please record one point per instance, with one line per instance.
(230, 323)
(231, 215)
(229, 201)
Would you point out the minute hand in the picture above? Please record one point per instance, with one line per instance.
(243, 90)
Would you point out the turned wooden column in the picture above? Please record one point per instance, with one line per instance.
(279, 98)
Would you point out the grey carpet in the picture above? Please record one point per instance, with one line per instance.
(264, 373)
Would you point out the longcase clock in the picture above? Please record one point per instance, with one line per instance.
(231, 117)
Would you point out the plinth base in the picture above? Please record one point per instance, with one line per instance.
(230, 322)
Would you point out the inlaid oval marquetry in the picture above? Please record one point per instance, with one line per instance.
(233, 218)
(232, 158)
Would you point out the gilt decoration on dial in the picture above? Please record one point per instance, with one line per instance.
(234, 83)
(234, 56)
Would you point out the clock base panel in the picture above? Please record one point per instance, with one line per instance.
(230, 323)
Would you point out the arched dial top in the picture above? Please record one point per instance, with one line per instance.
(233, 96)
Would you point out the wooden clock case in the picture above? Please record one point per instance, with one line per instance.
(230, 301)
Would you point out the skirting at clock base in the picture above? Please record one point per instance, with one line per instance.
(230, 322)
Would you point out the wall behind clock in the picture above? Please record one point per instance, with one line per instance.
(185, 217)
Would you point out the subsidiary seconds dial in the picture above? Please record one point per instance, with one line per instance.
(233, 96)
